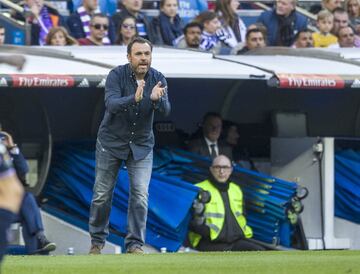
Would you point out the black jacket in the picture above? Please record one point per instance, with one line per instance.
(200, 147)
(165, 31)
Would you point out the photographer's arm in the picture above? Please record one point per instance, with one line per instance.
(17, 61)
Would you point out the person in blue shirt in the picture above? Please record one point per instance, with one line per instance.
(133, 92)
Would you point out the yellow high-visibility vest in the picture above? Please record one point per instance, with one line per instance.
(215, 211)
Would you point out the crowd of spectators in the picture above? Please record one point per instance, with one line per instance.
(218, 29)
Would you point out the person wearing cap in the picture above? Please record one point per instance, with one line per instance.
(225, 227)
(29, 214)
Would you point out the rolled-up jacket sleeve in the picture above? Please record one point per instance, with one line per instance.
(114, 101)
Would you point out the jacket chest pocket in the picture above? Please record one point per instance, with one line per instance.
(128, 90)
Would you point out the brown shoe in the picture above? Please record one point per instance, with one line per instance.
(136, 250)
(95, 250)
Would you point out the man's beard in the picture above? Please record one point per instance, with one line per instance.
(142, 70)
(195, 44)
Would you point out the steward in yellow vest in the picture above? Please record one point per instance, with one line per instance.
(225, 225)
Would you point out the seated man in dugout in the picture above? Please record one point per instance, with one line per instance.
(224, 227)
(208, 144)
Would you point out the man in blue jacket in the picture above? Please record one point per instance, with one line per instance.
(133, 92)
(282, 23)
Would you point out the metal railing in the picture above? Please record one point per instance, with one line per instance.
(24, 25)
(12, 5)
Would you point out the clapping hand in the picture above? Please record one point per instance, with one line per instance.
(157, 92)
(220, 33)
(223, 36)
(139, 91)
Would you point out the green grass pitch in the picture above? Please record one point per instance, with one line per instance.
(274, 262)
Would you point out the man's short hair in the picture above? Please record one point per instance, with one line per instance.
(139, 40)
(339, 10)
(324, 14)
(162, 3)
(100, 15)
(209, 115)
(345, 27)
(253, 31)
(192, 25)
(297, 35)
(260, 26)
(2, 26)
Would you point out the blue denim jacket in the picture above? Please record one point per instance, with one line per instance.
(127, 125)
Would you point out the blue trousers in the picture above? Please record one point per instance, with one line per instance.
(31, 222)
(107, 169)
(6, 218)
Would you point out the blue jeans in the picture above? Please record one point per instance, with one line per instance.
(107, 168)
